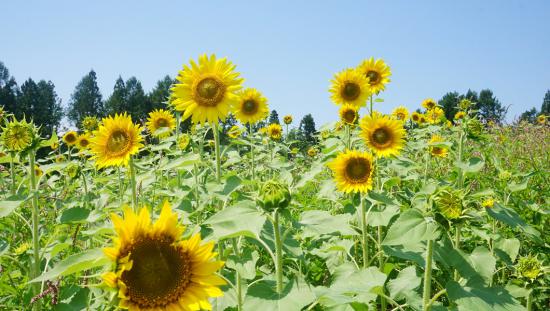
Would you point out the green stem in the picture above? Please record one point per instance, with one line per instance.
(529, 303)
(238, 278)
(178, 117)
(457, 247)
(251, 150)
(217, 151)
(12, 170)
(35, 233)
(371, 111)
(460, 150)
(133, 184)
(364, 235)
(278, 252)
(381, 265)
(120, 186)
(196, 176)
(427, 277)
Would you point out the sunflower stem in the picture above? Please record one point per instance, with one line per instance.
(364, 233)
(12, 171)
(529, 303)
(371, 111)
(381, 265)
(217, 151)
(457, 246)
(427, 277)
(251, 151)
(35, 233)
(178, 117)
(238, 277)
(133, 184)
(196, 176)
(278, 252)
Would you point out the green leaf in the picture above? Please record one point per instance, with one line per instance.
(405, 283)
(382, 215)
(482, 298)
(74, 215)
(240, 219)
(515, 187)
(507, 249)
(473, 165)
(262, 295)
(483, 262)
(410, 228)
(316, 223)
(244, 264)
(511, 218)
(75, 263)
(8, 206)
(350, 281)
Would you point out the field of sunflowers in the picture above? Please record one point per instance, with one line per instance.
(407, 211)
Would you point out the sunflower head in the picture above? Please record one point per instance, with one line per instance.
(464, 104)
(488, 202)
(19, 136)
(528, 267)
(275, 131)
(429, 103)
(312, 151)
(73, 170)
(287, 119)
(251, 106)
(89, 123)
(353, 171)
(474, 128)
(116, 139)
(206, 90)
(325, 134)
(435, 115)
(70, 138)
(460, 115)
(400, 113)
(449, 202)
(184, 141)
(383, 135)
(54, 145)
(161, 123)
(273, 195)
(436, 149)
(541, 119)
(234, 132)
(38, 171)
(377, 72)
(350, 87)
(422, 119)
(83, 141)
(415, 116)
(154, 269)
(348, 114)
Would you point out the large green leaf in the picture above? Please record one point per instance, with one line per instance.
(316, 223)
(350, 282)
(240, 219)
(404, 284)
(263, 296)
(473, 165)
(483, 262)
(511, 218)
(245, 263)
(74, 215)
(75, 263)
(482, 298)
(410, 228)
(507, 249)
(8, 206)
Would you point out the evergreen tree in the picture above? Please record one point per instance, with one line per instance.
(490, 108)
(138, 106)
(160, 94)
(8, 91)
(449, 103)
(86, 99)
(529, 115)
(117, 101)
(40, 103)
(307, 127)
(545, 108)
(274, 117)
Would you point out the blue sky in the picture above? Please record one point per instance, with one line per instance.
(289, 49)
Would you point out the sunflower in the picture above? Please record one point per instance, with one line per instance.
(19, 136)
(234, 132)
(353, 171)
(377, 72)
(460, 115)
(206, 90)
(154, 269)
(251, 106)
(54, 145)
(415, 116)
(449, 202)
(38, 171)
(348, 114)
(383, 135)
(184, 141)
(429, 103)
(312, 151)
(70, 138)
(161, 123)
(115, 141)
(488, 203)
(422, 119)
(287, 119)
(83, 141)
(350, 87)
(400, 113)
(436, 149)
(541, 119)
(90, 123)
(275, 131)
(435, 115)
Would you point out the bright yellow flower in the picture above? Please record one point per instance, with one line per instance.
(184, 141)
(18, 136)
(115, 141)
(429, 103)
(54, 145)
(348, 114)
(287, 119)
(70, 138)
(275, 131)
(541, 119)
(460, 115)
(90, 123)
(353, 171)
(377, 72)
(435, 115)
(234, 132)
(422, 119)
(350, 87)
(436, 149)
(83, 141)
(206, 90)
(383, 135)
(488, 203)
(161, 123)
(312, 151)
(38, 171)
(154, 269)
(415, 116)
(400, 113)
(251, 106)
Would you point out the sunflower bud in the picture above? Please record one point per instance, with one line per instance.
(273, 195)
(449, 202)
(528, 267)
(474, 128)
(73, 170)
(464, 104)
(19, 136)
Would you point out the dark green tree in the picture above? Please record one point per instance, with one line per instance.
(449, 104)
(40, 103)
(307, 127)
(545, 108)
(117, 101)
(160, 94)
(138, 106)
(529, 115)
(490, 108)
(274, 117)
(8, 91)
(86, 99)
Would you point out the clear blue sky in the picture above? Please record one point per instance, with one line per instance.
(289, 49)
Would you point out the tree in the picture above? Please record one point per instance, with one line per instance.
(138, 105)
(545, 108)
(117, 101)
(8, 90)
(307, 126)
(160, 94)
(529, 115)
(449, 104)
(274, 117)
(86, 99)
(40, 103)
(490, 108)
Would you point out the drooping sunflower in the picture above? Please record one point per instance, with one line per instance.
(353, 171)
(70, 138)
(348, 114)
(184, 141)
(83, 141)
(435, 115)
(541, 119)
(436, 149)
(19, 136)
(450, 204)
(287, 119)
(90, 123)
(154, 269)
(377, 72)
(234, 132)
(251, 106)
(206, 90)
(400, 113)
(275, 131)
(161, 123)
(383, 135)
(350, 87)
(116, 139)
(429, 103)
(460, 115)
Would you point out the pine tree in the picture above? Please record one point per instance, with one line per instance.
(449, 103)
(117, 101)
(86, 99)
(8, 91)
(40, 103)
(160, 94)
(138, 106)
(274, 117)
(490, 108)
(307, 126)
(545, 108)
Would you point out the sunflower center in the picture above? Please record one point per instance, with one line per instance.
(358, 170)
(118, 141)
(437, 150)
(381, 136)
(70, 138)
(84, 142)
(162, 122)
(250, 107)
(209, 91)
(349, 116)
(351, 91)
(373, 76)
(159, 275)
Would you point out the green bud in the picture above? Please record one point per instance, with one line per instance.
(528, 267)
(273, 195)
(474, 128)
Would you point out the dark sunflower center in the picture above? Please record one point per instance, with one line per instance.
(381, 136)
(209, 92)
(70, 138)
(118, 141)
(358, 169)
(162, 122)
(349, 116)
(373, 76)
(437, 150)
(351, 91)
(84, 142)
(250, 106)
(159, 275)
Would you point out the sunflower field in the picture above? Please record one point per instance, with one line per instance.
(406, 211)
